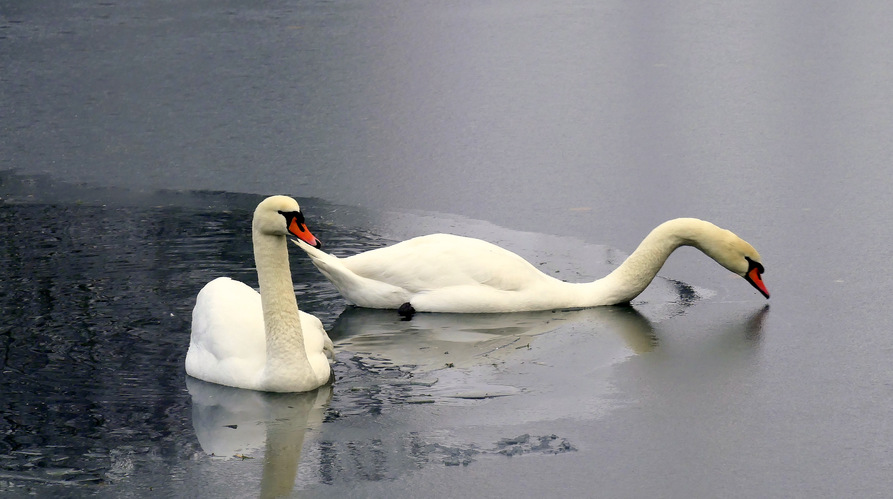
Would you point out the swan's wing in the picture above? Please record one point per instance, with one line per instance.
(318, 346)
(315, 337)
(443, 260)
(329, 350)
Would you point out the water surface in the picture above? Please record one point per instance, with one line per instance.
(135, 139)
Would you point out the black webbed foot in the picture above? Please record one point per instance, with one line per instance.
(406, 311)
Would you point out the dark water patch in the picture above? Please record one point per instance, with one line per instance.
(96, 308)
(96, 295)
(373, 459)
(369, 385)
(525, 444)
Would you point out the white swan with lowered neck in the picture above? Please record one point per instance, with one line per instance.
(261, 341)
(447, 273)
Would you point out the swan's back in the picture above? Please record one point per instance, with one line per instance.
(441, 260)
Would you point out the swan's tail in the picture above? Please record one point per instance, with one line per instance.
(326, 263)
(356, 289)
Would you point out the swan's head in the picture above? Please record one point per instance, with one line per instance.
(280, 216)
(738, 256)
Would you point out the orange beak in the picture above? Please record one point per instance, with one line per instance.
(755, 278)
(299, 230)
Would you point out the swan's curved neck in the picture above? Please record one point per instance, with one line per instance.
(636, 272)
(282, 323)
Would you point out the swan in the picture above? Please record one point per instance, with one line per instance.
(261, 341)
(449, 273)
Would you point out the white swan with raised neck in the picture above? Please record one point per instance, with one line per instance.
(261, 341)
(448, 273)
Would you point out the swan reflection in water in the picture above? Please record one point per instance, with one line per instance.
(429, 341)
(231, 421)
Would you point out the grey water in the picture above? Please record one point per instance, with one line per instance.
(136, 138)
